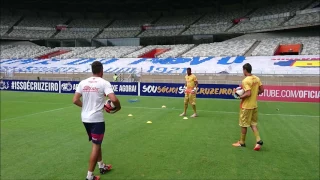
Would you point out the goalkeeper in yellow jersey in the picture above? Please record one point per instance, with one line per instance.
(190, 93)
(252, 86)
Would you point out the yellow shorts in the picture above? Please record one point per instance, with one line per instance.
(248, 117)
(190, 98)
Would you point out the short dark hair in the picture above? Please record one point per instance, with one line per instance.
(247, 67)
(188, 69)
(96, 67)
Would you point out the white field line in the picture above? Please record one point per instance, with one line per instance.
(225, 112)
(42, 112)
(173, 109)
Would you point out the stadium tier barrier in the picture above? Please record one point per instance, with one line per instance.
(221, 91)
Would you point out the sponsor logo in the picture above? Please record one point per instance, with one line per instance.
(298, 62)
(180, 90)
(291, 93)
(125, 88)
(90, 89)
(35, 86)
(162, 89)
(66, 86)
(4, 85)
(69, 86)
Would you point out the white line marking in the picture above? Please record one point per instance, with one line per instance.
(2, 101)
(43, 112)
(226, 112)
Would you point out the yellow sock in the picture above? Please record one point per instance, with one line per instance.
(242, 138)
(256, 134)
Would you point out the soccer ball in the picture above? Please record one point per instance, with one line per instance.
(109, 107)
(238, 92)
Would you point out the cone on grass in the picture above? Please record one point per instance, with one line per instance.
(185, 118)
(163, 106)
(149, 122)
(130, 115)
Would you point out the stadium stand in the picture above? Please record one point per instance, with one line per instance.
(108, 52)
(257, 24)
(119, 32)
(3, 47)
(89, 23)
(22, 51)
(162, 31)
(207, 29)
(8, 21)
(131, 22)
(267, 47)
(172, 50)
(303, 18)
(290, 7)
(41, 21)
(3, 30)
(222, 17)
(269, 17)
(32, 33)
(227, 48)
(77, 33)
(75, 51)
(36, 27)
(176, 20)
(170, 25)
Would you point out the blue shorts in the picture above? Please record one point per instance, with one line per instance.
(95, 131)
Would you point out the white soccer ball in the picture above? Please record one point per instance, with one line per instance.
(239, 92)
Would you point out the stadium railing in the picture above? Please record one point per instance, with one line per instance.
(203, 78)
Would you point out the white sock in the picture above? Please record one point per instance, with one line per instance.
(101, 164)
(89, 175)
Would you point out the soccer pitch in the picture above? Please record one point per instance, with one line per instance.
(42, 137)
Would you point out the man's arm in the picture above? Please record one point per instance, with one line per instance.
(246, 94)
(77, 95)
(247, 89)
(108, 91)
(76, 99)
(195, 83)
(261, 89)
(115, 101)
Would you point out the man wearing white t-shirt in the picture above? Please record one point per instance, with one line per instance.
(93, 91)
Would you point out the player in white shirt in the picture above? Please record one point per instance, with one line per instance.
(93, 91)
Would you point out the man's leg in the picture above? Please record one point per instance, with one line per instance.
(244, 122)
(92, 162)
(186, 101)
(102, 166)
(94, 153)
(254, 123)
(193, 103)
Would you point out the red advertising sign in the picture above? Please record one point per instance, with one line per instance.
(291, 93)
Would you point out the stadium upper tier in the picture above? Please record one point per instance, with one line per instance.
(296, 13)
(245, 47)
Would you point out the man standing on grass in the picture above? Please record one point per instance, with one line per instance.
(93, 91)
(252, 86)
(190, 92)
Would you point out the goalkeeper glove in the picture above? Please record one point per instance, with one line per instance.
(194, 89)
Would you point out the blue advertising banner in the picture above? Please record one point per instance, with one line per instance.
(125, 88)
(223, 91)
(30, 86)
(69, 86)
(120, 88)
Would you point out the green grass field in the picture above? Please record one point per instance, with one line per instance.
(42, 137)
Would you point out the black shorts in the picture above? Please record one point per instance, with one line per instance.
(95, 131)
